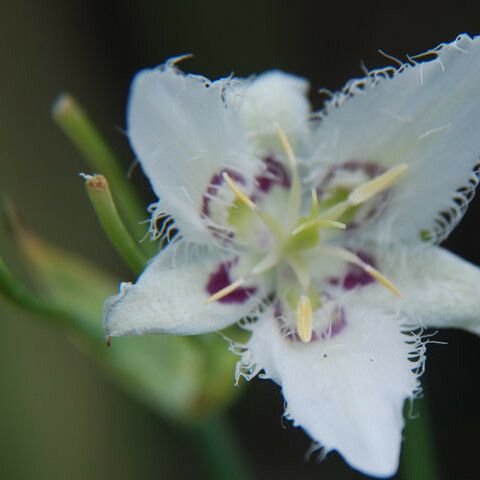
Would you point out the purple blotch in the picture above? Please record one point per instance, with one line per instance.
(215, 183)
(220, 278)
(274, 174)
(355, 276)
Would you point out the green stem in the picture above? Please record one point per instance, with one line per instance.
(418, 457)
(102, 201)
(78, 127)
(18, 294)
(218, 450)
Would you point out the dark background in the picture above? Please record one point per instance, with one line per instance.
(59, 418)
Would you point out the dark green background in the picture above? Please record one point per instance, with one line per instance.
(59, 418)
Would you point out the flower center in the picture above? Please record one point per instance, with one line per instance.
(296, 235)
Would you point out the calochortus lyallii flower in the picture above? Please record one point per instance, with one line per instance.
(317, 229)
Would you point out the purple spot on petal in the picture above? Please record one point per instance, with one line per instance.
(355, 279)
(355, 276)
(220, 278)
(214, 185)
(334, 281)
(274, 174)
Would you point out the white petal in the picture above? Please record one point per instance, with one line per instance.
(275, 99)
(183, 134)
(169, 297)
(346, 392)
(427, 115)
(439, 289)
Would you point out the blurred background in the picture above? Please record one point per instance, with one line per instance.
(59, 416)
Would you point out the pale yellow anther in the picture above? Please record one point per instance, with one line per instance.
(287, 148)
(382, 279)
(238, 193)
(225, 291)
(304, 319)
(318, 222)
(295, 196)
(378, 184)
(270, 221)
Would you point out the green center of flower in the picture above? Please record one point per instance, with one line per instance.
(297, 234)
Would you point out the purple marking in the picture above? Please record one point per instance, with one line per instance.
(275, 174)
(214, 185)
(220, 278)
(339, 322)
(355, 276)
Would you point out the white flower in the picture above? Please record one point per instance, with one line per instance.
(287, 218)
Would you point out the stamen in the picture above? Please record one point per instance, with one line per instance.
(225, 291)
(378, 184)
(238, 193)
(348, 256)
(287, 148)
(267, 263)
(318, 222)
(382, 279)
(365, 191)
(304, 319)
(295, 196)
(273, 225)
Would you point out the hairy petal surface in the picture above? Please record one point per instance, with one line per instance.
(347, 391)
(275, 99)
(439, 289)
(169, 297)
(183, 136)
(424, 113)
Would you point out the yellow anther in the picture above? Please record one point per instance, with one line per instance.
(287, 148)
(304, 319)
(318, 222)
(295, 196)
(378, 184)
(238, 193)
(382, 279)
(225, 291)
(273, 225)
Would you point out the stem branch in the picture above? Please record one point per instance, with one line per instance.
(102, 201)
